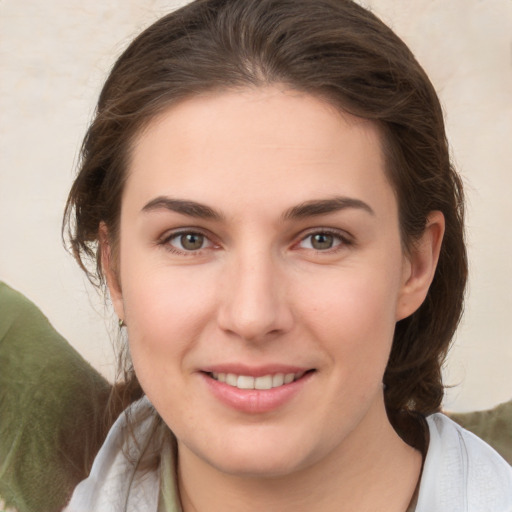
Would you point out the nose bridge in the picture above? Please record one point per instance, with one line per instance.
(254, 304)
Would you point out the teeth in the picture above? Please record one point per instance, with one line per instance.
(231, 379)
(277, 380)
(245, 382)
(263, 382)
(289, 377)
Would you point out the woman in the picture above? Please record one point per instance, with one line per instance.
(266, 190)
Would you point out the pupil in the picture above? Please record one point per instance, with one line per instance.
(322, 241)
(192, 241)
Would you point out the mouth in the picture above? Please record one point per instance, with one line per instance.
(261, 390)
(263, 382)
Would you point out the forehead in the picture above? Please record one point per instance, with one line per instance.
(255, 146)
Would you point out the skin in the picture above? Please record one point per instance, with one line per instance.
(261, 291)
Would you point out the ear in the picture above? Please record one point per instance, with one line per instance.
(420, 266)
(110, 270)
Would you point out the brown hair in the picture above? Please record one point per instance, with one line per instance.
(333, 49)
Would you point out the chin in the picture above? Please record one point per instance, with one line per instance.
(258, 467)
(261, 457)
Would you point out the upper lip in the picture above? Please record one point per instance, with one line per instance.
(254, 371)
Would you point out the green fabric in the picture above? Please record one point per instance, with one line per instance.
(494, 426)
(51, 409)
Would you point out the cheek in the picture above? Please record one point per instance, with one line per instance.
(164, 326)
(166, 312)
(354, 316)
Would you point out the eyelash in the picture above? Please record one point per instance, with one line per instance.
(342, 238)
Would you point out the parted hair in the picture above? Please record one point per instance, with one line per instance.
(332, 49)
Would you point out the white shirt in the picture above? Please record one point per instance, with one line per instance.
(462, 473)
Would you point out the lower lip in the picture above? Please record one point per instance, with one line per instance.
(255, 401)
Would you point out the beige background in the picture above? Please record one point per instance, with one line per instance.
(54, 56)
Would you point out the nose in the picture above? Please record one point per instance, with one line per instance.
(255, 306)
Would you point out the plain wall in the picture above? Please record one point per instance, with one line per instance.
(54, 56)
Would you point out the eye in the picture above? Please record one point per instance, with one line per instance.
(323, 241)
(188, 241)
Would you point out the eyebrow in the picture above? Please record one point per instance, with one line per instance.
(324, 206)
(189, 208)
(315, 207)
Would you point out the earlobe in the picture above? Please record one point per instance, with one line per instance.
(109, 268)
(420, 267)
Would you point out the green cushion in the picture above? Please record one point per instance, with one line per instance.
(52, 406)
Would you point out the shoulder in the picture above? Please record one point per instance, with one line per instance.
(462, 473)
(494, 426)
(116, 482)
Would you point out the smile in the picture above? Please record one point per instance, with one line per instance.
(263, 382)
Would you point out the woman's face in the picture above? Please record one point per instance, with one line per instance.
(262, 275)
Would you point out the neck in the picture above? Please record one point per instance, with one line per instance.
(372, 469)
